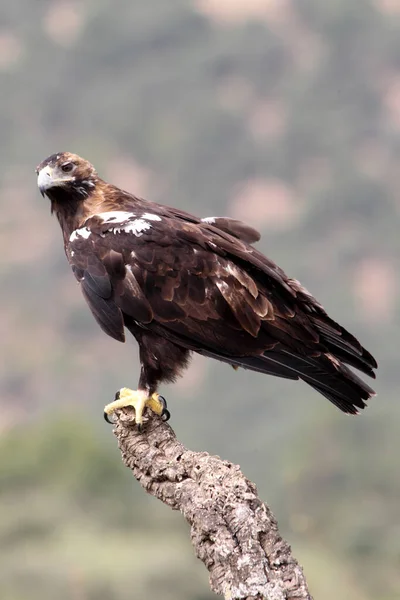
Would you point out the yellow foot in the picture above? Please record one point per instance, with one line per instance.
(138, 399)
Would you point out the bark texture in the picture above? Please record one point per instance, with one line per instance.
(233, 532)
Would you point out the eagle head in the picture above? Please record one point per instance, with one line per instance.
(66, 175)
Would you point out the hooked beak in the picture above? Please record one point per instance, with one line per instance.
(46, 179)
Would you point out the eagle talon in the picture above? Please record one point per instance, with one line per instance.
(139, 400)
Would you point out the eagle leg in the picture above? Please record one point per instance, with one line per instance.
(139, 400)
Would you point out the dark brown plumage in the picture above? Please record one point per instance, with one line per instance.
(179, 283)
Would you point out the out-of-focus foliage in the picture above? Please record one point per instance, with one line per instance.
(283, 113)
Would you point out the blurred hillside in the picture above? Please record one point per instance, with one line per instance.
(283, 113)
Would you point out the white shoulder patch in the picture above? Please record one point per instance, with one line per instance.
(120, 221)
(116, 216)
(138, 226)
(151, 217)
(135, 226)
(83, 232)
(210, 220)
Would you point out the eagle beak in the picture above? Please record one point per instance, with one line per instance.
(45, 179)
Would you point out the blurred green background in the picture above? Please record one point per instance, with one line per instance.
(283, 113)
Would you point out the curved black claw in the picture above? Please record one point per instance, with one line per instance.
(106, 416)
(165, 415)
(108, 420)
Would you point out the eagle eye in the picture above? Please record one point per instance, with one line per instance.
(67, 167)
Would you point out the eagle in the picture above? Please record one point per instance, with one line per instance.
(182, 284)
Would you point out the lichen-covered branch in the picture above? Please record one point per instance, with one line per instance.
(233, 532)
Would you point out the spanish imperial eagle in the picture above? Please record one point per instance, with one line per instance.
(182, 284)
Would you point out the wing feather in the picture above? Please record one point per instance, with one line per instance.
(106, 313)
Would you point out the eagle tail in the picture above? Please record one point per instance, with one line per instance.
(344, 346)
(325, 373)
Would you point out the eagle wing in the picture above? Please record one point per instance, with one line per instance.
(165, 269)
(201, 285)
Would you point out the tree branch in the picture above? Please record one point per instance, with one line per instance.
(233, 532)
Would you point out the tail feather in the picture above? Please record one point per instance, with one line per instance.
(324, 373)
(345, 346)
